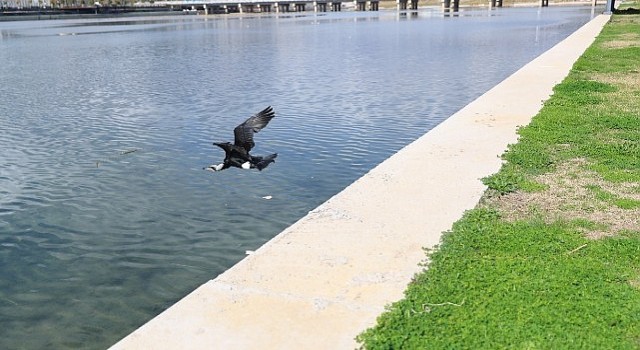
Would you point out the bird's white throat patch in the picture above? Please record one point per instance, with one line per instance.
(246, 165)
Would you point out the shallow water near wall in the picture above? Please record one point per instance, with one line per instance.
(106, 216)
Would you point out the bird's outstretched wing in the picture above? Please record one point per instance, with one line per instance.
(244, 132)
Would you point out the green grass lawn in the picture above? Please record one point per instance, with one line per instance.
(550, 258)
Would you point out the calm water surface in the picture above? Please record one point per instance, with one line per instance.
(94, 242)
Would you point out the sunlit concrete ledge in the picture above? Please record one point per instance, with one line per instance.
(327, 277)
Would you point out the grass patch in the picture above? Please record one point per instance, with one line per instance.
(603, 195)
(523, 269)
(495, 285)
(510, 180)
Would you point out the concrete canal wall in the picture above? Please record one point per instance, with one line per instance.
(326, 278)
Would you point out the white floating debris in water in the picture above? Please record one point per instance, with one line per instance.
(267, 197)
(248, 252)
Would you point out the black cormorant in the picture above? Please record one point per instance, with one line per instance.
(237, 153)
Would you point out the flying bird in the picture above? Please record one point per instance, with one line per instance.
(237, 153)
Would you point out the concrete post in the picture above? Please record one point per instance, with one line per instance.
(446, 5)
(610, 6)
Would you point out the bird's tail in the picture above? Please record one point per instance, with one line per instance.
(265, 161)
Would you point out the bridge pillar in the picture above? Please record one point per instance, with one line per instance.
(300, 7)
(319, 6)
(414, 4)
(282, 7)
(610, 7)
(336, 6)
(402, 4)
(374, 5)
(544, 3)
(456, 5)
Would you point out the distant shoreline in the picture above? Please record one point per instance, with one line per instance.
(87, 12)
(115, 12)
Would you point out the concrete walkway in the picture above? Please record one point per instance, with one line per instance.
(326, 278)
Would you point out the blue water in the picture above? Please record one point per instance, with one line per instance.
(106, 216)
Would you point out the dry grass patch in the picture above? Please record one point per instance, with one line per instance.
(624, 40)
(575, 194)
(628, 82)
(627, 97)
(635, 282)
